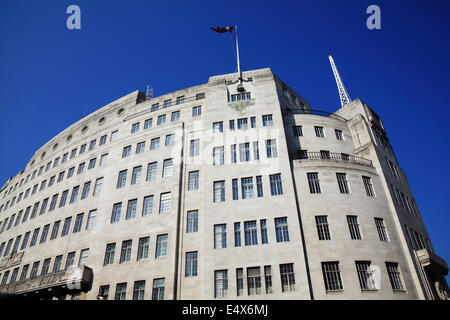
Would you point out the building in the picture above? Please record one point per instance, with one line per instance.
(225, 190)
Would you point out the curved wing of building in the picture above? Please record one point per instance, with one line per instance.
(225, 190)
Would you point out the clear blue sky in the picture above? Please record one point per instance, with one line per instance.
(51, 76)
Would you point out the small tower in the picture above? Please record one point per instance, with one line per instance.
(343, 95)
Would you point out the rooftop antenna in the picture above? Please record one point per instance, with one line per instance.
(343, 95)
(149, 92)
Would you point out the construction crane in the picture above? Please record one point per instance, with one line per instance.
(343, 95)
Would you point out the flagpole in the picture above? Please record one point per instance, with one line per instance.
(237, 54)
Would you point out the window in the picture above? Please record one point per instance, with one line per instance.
(91, 219)
(219, 191)
(233, 153)
(192, 221)
(267, 120)
(175, 116)
(332, 276)
(379, 223)
(247, 188)
(394, 276)
(167, 103)
(200, 96)
(103, 159)
(237, 234)
(161, 245)
(35, 210)
(86, 188)
(92, 144)
(235, 188)
(368, 186)
(244, 152)
(191, 264)
(342, 182)
(220, 283)
(140, 147)
(256, 150)
(151, 171)
(158, 289)
(271, 147)
(83, 257)
(240, 96)
(164, 203)
(148, 123)
(194, 148)
(60, 178)
(70, 260)
(109, 254)
(253, 122)
(122, 179)
(55, 230)
(40, 189)
(313, 181)
(281, 229)
(353, 226)
(98, 186)
(339, 135)
(231, 125)
(242, 123)
(126, 151)
(58, 263)
(218, 127)
(69, 173)
(125, 253)
(167, 168)
(250, 233)
(102, 140)
(323, 230)
(147, 207)
(220, 236)
(66, 227)
(254, 281)
(298, 131)
(170, 140)
(276, 186)
(139, 290)
(319, 132)
(78, 223)
(43, 208)
(74, 195)
(83, 148)
(196, 111)
(161, 120)
(104, 292)
(263, 225)
(268, 278)
(135, 128)
(55, 164)
(113, 136)
(240, 281)
(136, 175)
(121, 291)
(143, 247)
(259, 186)
(154, 143)
(287, 277)
(366, 281)
(155, 107)
(34, 269)
(131, 209)
(218, 156)
(80, 168)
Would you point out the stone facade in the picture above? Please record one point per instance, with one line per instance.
(258, 141)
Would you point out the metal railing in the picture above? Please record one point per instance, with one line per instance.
(301, 155)
(313, 112)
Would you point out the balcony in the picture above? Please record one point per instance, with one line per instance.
(313, 112)
(302, 155)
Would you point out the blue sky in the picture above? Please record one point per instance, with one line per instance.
(51, 76)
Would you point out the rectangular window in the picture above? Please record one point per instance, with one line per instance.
(140, 147)
(158, 289)
(240, 281)
(217, 126)
(379, 223)
(394, 276)
(170, 140)
(70, 173)
(298, 131)
(104, 292)
(287, 277)
(92, 144)
(143, 247)
(192, 221)
(235, 188)
(98, 186)
(139, 290)
(267, 120)
(313, 181)
(34, 269)
(151, 171)
(276, 186)
(82, 149)
(244, 152)
(196, 111)
(135, 127)
(103, 159)
(250, 233)
(254, 281)
(55, 230)
(353, 226)
(271, 148)
(167, 168)
(281, 229)
(109, 254)
(233, 153)
(102, 140)
(268, 278)
(92, 163)
(164, 202)
(263, 225)
(194, 148)
(219, 191)
(78, 223)
(44, 233)
(131, 209)
(242, 123)
(259, 186)
(125, 253)
(148, 123)
(42, 211)
(91, 219)
(136, 175)
(60, 178)
(161, 245)
(323, 230)
(175, 116)
(115, 216)
(220, 236)
(247, 188)
(80, 168)
(154, 143)
(342, 182)
(193, 180)
(83, 257)
(70, 260)
(161, 120)
(218, 156)
(220, 283)
(58, 263)
(121, 291)
(147, 207)
(256, 150)
(113, 135)
(191, 264)
(253, 122)
(366, 281)
(155, 107)
(231, 125)
(126, 151)
(319, 132)
(74, 195)
(66, 227)
(122, 179)
(237, 234)
(86, 188)
(332, 276)
(339, 135)
(368, 186)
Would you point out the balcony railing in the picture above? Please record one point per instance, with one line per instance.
(313, 112)
(302, 155)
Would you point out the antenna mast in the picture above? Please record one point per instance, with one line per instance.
(149, 92)
(343, 95)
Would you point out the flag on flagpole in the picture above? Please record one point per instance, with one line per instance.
(223, 29)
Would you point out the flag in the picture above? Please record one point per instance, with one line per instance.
(223, 29)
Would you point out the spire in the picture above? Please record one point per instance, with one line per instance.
(343, 95)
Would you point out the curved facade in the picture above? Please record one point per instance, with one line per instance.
(217, 192)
